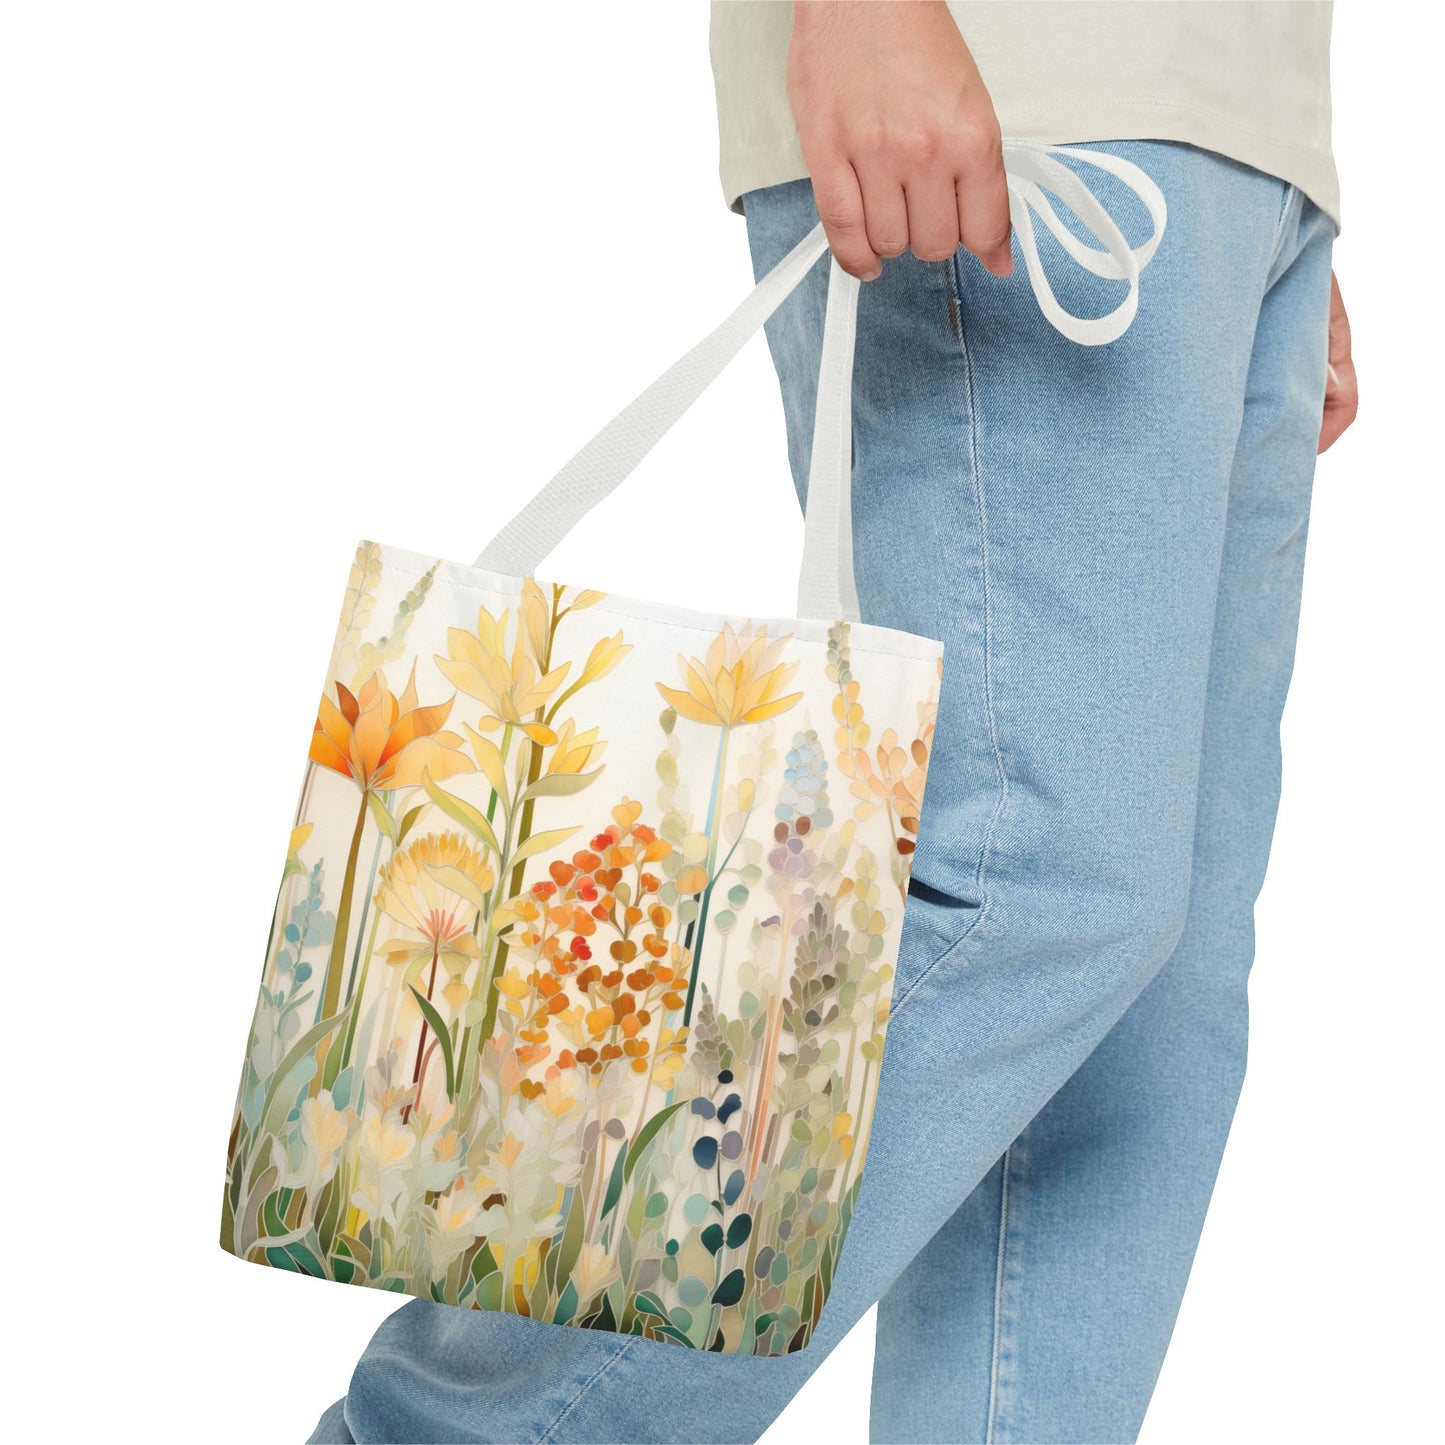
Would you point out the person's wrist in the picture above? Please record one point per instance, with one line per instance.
(811, 15)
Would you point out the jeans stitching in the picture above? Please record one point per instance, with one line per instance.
(990, 1435)
(1279, 226)
(970, 394)
(551, 1431)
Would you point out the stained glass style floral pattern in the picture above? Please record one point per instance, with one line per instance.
(574, 997)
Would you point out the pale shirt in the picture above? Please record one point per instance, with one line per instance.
(1248, 79)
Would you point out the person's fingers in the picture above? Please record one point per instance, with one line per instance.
(840, 208)
(982, 189)
(932, 217)
(1342, 403)
(1342, 390)
(885, 212)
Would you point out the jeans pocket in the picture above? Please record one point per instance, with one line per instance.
(935, 925)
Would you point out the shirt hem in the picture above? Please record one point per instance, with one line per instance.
(751, 168)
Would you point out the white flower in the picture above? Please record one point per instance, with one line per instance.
(452, 1227)
(386, 1149)
(594, 1271)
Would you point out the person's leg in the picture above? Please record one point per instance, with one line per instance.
(1044, 1307)
(1056, 515)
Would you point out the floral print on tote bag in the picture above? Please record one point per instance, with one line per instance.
(574, 997)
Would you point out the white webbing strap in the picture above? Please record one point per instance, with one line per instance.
(826, 587)
(1031, 170)
(609, 458)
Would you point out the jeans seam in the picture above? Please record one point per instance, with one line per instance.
(1279, 226)
(970, 394)
(981, 506)
(990, 1432)
(551, 1431)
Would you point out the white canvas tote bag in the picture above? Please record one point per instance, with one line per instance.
(575, 992)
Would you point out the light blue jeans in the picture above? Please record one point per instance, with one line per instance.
(1110, 543)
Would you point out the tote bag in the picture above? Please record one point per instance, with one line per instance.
(575, 992)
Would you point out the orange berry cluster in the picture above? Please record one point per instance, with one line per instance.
(605, 890)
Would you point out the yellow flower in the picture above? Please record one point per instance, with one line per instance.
(382, 741)
(670, 1056)
(385, 1144)
(323, 1126)
(738, 682)
(433, 890)
(559, 1097)
(509, 1151)
(606, 653)
(575, 752)
(510, 689)
(513, 984)
(569, 1023)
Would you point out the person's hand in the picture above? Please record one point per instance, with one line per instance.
(898, 133)
(1342, 392)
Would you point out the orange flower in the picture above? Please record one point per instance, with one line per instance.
(382, 741)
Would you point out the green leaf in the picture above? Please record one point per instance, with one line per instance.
(645, 1136)
(566, 1305)
(730, 1291)
(673, 1334)
(559, 785)
(306, 1260)
(460, 811)
(605, 1318)
(381, 816)
(570, 1245)
(739, 1230)
(712, 1238)
(439, 1028)
(614, 1185)
(299, 1054)
(541, 842)
(458, 882)
(650, 1303)
(408, 821)
(353, 1247)
(489, 1291)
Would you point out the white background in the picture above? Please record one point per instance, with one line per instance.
(278, 276)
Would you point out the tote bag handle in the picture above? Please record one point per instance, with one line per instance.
(826, 588)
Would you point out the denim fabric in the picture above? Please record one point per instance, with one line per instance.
(1110, 543)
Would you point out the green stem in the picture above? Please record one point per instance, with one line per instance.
(714, 827)
(365, 913)
(360, 994)
(498, 961)
(484, 968)
(336, 964)
(722, 952)
(416, 1074)
(857, 1130)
